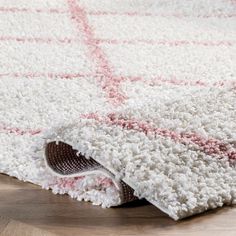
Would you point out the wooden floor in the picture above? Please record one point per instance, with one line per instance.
(26, 209)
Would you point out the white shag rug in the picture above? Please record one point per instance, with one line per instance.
(147, 88)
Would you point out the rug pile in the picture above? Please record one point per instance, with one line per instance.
(110, 101)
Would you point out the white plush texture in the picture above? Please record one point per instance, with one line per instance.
(175, 66)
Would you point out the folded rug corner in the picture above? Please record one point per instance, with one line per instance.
(111, 101)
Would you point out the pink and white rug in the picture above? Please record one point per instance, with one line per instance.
(107, 100)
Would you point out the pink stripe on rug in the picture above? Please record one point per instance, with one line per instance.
(157, 81)
(50, 75)
(209, 146)
(108, 81)
(170, 43)
(38, 40)
(114, 13)
(19, 131)
(31, 10)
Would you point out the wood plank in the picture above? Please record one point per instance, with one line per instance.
(14, 228)
(3, 223)
(62, 215)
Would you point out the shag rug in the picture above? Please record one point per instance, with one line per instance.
(110, 101)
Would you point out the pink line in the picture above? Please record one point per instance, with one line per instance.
(160, 80)
(209, 146)
(110, 13)
(32, 75)
(157, 81)
(29, 10)
(169, 42)
(72, 182)
(38, 40)
(19, 131)
(110, 84)
(188, 82)
(142, 14)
